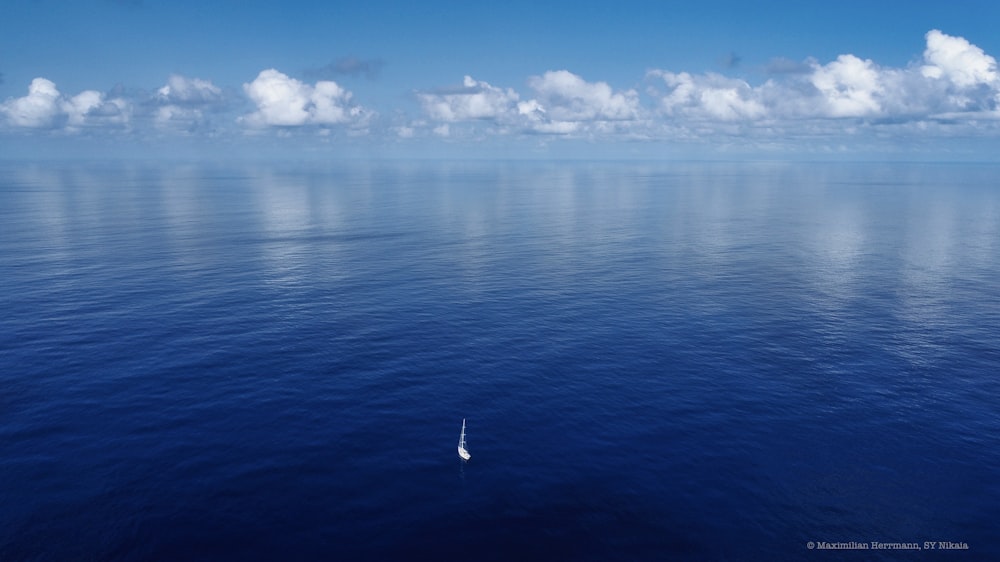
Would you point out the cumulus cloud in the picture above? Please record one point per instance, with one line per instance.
(709, 96)
(283, 101)
(568, 97)
(183, 103)
(954, 76)
(474, 100)
(848, 86)
(90, 108)
(45, 107)
(180, 90)
(564, 104)
(958, 61)
(952, 89)
(37, 109)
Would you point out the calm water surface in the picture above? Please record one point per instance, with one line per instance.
(657, 361)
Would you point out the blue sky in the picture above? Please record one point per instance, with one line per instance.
(712, 79)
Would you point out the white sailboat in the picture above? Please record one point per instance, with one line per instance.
(462, 451)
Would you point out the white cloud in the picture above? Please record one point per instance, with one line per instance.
(46, 108)
(531, 109)
(709, 96)
(283, 101)
(183, 103)
(38, 109)
(180, 90)
(328, 103)
(474, 100)
(80, 105)
(954, 77)
(955, 59)
(952, 89)
(850, 87)
(91, 109)
(568, 97)
(566, 104)
(845, 87)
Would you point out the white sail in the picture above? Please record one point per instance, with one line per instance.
(462, 451)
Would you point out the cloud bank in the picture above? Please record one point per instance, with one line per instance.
(563, 103)
(45, 107)
(952, 89)
(955, 83)
(954, 79)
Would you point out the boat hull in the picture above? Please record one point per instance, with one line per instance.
(464, 454)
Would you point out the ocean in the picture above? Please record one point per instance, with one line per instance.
(656, 361)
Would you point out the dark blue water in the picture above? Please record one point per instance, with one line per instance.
(676, 361)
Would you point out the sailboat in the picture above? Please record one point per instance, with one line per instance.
(462, 451)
